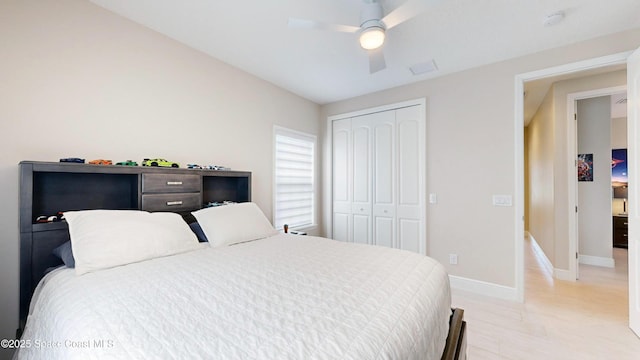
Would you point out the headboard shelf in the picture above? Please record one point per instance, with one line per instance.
(49, 187)
(218, 189)
(66, 191)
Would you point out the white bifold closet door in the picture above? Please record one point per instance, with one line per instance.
(342, 160)
(377, 175)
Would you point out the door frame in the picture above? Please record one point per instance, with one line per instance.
(520, 79)
(572, 155)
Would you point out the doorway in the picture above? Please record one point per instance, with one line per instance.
(554, 208)
(562, 253)
(599, 128)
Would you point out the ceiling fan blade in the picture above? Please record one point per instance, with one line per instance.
(317, 25)
(406, 11)
(376, 60)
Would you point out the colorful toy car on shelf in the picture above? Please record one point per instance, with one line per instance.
(72, 160)
(127, 163)
(101, 162)
(159, 162)
(207, 167)
(218, 167)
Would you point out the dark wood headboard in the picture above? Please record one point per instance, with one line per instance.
(48, 187)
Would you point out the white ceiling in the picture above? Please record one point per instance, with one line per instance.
(326, 66)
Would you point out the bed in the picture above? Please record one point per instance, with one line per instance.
(282, 297)
(258, 294)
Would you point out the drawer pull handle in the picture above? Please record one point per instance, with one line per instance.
(174, 183)
(174, 203)
(626, 223)
(625, 235)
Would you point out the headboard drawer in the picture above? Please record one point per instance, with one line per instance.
(170, 183)
(171, 202)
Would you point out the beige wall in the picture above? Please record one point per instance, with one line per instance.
(594, 197)
(619, 133)
(76, 80)
(540, 139)
(471, 155)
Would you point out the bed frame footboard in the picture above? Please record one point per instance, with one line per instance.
(456, 346)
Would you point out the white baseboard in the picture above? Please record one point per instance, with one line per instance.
(541, 255)
(483, 288)
(562, 274)
(597, 261)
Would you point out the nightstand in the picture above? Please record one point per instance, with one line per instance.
(621, 231)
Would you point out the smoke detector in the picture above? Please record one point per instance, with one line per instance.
(553, 19)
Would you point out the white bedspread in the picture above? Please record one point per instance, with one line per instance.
(283, 297)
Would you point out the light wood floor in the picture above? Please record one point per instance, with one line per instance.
(586, 319)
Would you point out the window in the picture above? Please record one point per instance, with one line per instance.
(294, 161)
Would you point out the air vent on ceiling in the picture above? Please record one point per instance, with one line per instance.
(423, 68)
(622, 101)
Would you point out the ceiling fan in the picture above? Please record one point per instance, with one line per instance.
(373, 26)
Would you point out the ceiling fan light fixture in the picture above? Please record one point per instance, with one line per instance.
(372, 38)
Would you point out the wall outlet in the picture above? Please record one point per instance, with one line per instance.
(453, 259)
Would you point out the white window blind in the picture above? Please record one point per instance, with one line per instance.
(294, 178)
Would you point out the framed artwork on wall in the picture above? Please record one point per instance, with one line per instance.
(585, 167)
(619, 176)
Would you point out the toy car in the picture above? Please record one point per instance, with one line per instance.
(159, 162)
(127, 163)
(217, 167)
(101, 162)
(195, 166)
(59, 216)
(72, 160)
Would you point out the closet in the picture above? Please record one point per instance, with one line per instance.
(378, 171)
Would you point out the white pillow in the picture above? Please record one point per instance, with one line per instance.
(102, 239)
(234, 223)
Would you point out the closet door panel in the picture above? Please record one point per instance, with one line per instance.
(341, 227)
(361, 229)
(384, 230)
(384, 178)
(361, 205)
(408, 159)
(409, 235)
(383, 154)
(361, 164)
(410, 170)
(342, 184)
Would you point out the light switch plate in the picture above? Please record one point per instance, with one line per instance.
(502, 200)
(433, 199)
